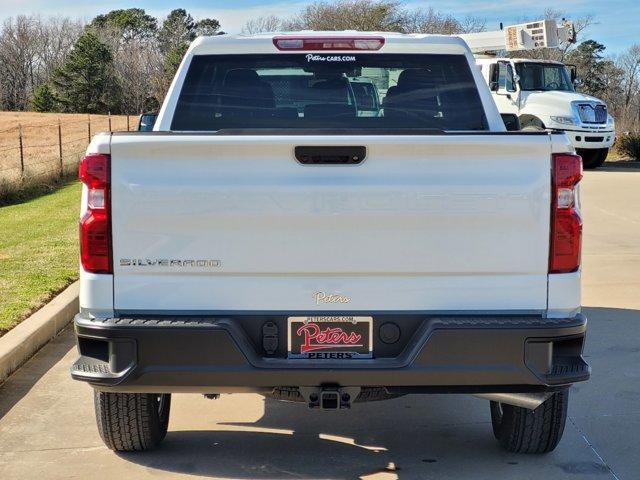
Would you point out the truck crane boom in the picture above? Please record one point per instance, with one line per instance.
(524, 36)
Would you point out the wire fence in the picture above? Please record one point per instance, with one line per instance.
(40, 151)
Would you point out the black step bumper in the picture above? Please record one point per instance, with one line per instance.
(465, 354)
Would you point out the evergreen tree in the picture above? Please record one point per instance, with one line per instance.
(85, 82)
(172, 61)
(43, 99)
(130, 23)
(589, 60)
(207, 26)
(178, 30)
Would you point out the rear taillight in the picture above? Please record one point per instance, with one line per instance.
(328, 43)
(566, 224)
(95, 224)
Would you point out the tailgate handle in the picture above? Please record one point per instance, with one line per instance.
(321, 155)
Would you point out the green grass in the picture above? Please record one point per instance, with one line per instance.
(38, 252)
(18, 192)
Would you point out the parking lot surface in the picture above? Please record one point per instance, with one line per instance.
(47, 427)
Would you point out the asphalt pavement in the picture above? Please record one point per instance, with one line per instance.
(47, 426)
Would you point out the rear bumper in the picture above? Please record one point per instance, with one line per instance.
(442, 354)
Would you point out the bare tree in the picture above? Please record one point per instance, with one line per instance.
(363, 15)
(136, 60)
(135, 65)
(432, 21)
(17, 67)
(268, 23)
(471, 24)
(629, 65)
(54, 39)
(30, 50)
(613, 91)
(366, 15)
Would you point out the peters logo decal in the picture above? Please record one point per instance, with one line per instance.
(170, 262)
(317, 339)
(311, 57)
(322, 297)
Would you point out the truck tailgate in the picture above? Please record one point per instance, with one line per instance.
(206, 223)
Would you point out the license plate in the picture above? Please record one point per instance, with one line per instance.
(330, 338)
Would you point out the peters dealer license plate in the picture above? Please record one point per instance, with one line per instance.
(330, 338)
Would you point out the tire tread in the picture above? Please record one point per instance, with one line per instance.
(129, 422)
(522, 430)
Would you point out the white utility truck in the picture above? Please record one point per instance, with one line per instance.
(275, 234)
(541, 92)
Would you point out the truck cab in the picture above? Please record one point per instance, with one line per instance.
(542, 94)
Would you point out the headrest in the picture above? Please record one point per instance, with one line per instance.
(242, 76)
(415, 77)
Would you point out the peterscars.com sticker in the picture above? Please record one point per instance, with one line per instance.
(330, 58)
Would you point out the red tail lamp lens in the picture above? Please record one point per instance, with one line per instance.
(95, 224)
(566, 224)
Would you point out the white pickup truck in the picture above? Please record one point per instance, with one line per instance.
(279, 233)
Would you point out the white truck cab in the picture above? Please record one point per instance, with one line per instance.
(542, 94)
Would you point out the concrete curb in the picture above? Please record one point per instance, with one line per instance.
(20, 343)
(621, 165)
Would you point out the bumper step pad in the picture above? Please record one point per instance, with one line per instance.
(570, 369)
(91, 367)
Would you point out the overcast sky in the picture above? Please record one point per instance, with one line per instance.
(618, 21)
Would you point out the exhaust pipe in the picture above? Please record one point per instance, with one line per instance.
(530, 401)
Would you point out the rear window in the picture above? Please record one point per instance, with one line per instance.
(329, 91)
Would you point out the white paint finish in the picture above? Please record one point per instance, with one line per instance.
(207, 292)
(608, 138)
(100, 143)
(426, 222)
(96, 294)
(564, 294)
(560, 143)
(485, 41)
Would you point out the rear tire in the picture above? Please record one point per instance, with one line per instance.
(520, 430)
(129, 422)
(593, 158)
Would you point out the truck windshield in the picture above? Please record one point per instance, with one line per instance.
(329, 91)
(543, 76)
